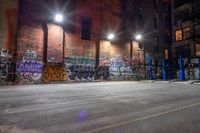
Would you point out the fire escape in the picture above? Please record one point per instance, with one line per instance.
(196, 21)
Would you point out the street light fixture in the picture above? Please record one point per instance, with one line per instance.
(111, 36)
(58, 18)
(138, 37)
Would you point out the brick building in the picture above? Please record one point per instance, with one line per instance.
(152, 20)
(8, 28)
(185, 31)
(77, 49)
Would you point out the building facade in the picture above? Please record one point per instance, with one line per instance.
(152, 20)
(185, 33)
(42, 50)
(8, 33)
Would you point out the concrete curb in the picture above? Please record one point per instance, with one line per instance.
(196, 82)
(146, 81)
(163, 82)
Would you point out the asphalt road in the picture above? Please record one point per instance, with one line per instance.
(103, 107)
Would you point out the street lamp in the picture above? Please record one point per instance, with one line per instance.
(58, 18)
(138, 37)
(111, 36)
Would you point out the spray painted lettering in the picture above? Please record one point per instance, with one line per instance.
(7, 66)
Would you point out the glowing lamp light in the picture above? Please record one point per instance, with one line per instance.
(111, 36)
(138, 37)
(58, 18)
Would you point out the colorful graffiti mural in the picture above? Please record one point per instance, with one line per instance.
(119, 65)
(116, 68)
(80, 68)
(54, 73)
(79, 59)
(8, 26)
(7, 66)
(29, 65)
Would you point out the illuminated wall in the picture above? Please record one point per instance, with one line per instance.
(30, 52)
(8, 25)
(79, 58)
(55, 44)
(48, 52)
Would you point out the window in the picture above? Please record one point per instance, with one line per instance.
(166, 2)
(155, 2)
(186, 33)
(183, 15)
(183, 34)
(156, 43)
(140, 13)
(86, 29)
(167, 21)
(166, 54)
(197, 48)
(178, 3)
(179, 35)
(155, 18)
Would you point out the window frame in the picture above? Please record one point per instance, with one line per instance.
(183, 38)
(85, 30)
(180, 35)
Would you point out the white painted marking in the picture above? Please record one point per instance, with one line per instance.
(142, 118)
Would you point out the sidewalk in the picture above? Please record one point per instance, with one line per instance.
(174, 81)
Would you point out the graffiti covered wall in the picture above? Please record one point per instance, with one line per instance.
(7, 67)
(30, 48)
(115, 59)
(117, 63)
(137, 61)
(79, 58)
(8, 26)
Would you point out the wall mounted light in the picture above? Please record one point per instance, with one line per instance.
(138, 37)
(111, 36)
(58, 18)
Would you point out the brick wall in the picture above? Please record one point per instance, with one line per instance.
(8, 25)
(30, 51)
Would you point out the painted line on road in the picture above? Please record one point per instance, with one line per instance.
(142, 118)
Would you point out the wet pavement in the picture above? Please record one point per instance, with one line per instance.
(101, 107)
